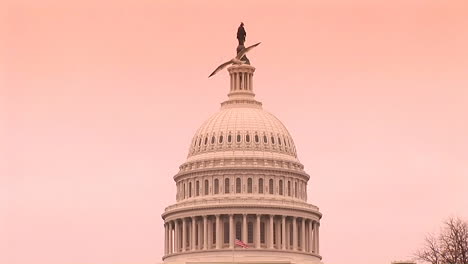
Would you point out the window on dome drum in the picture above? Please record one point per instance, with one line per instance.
(289, 188)
(206, 140)
(247, 138)
(249, 232)
(238, 230)
(221, 139)
(190, 189)
(214, 233)
(249, 185)
(183, 192)
(257, 139)
(197, 188)
(272, 140)
(226, 185)
(281, 187)
(229, 138)
(279, 141)
(238, 185)
(187, 239)
(206, 187)
(265, 139)
(270, 186)
(216, 186)
(213, 139)
(262, 232)
(199, 141)
(226, 232)
(260, 185)
(274, 232)
(239, 138)
(295, 189)
(290, 235)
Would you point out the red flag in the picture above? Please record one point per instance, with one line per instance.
(241, 244)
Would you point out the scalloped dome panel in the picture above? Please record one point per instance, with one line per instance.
(243, 129)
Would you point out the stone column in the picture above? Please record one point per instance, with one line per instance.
(314, 242)
(231, 231)
(205, 232)
(317, 244)
(210, 233)
(200, 235)
(303, 239)
(218, 232)
(184, 234)
(176, 237)
(270, 236)
(193, 242)
(283, 232)
(294, 233)
(171, 235)
(166, 244)
(257, 233)
(244, 228)
(250, 82)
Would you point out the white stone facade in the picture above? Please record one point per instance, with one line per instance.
(242, 180)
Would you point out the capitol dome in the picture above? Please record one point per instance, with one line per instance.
(242, 185)
(243, 130)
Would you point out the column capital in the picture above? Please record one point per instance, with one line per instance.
(205, 216)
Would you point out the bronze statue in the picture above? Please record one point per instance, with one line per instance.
(240, 51)
(241, 34)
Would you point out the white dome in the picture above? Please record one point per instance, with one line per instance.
(243, 130)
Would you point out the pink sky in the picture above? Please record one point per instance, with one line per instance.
(99, 101)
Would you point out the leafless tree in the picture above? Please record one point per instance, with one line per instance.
(449, 247)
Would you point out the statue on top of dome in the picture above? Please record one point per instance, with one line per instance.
(241, 34)
(240, 51)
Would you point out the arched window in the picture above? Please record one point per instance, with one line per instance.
(260, 185)
(216, 186)
(272, 140)
(249, 232)
(213, 139)
(262, 232)
(221, 139)
(270, 186)
(247, 138)
(238, 230)
(229, 138)
(207, 186)
(206, 140)
(190, 189)
(279, 141)
(239, 138)
(226, 185)
(238, 185)
(257, 139)
(197, 188)
(281, 187)
(295, 189)
(249, 185)
(265, 139)
(199, 141)
(289, 188)
(226, 232)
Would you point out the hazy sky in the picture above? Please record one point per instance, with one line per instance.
(99, 101)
